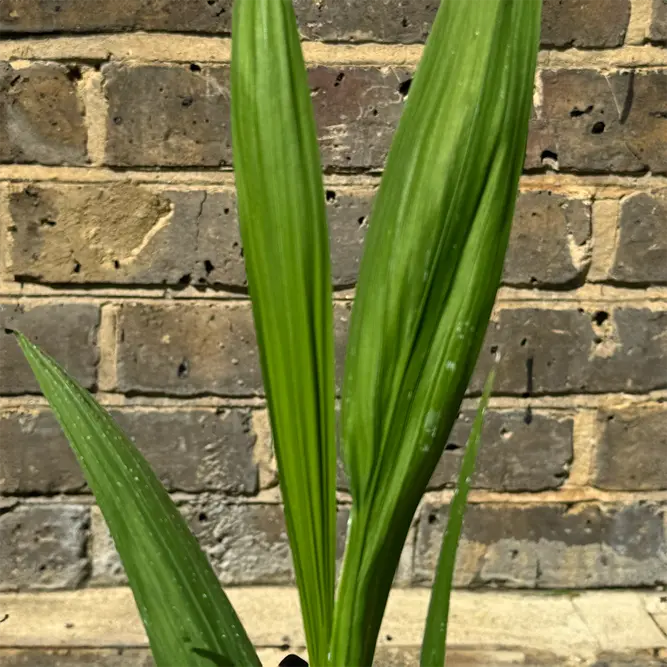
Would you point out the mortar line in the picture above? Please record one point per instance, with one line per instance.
(590, 297)
(560, 406)
(584, 185)
(566, 497)
(96, 112)
(107, 345)
(169, 48)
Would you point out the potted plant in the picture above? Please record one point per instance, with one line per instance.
(432, 265)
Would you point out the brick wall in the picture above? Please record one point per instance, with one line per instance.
(121, 256)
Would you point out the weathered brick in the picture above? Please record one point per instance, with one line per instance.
(550, 243)
(357, 111)
(190, 450)
(585, 23)
(575, 351)
(594, 122)
(589, 122)
(196, 450)
(43, 547)
(641, 255)
(95, 234)
(167, 116)
(172, 116)
(566, 22)
(364, 21)
(34, 455)
(631, 449)
(129, 234)
(79, 657)
(658, 29)
(543, 351)
(68, 332)
(196, 349)
(44, 16)
(348, 214)
(193, 349)
(586, 545)
(514, 455)
(246, 544)
(41, 116)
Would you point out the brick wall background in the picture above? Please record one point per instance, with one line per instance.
(120, 254)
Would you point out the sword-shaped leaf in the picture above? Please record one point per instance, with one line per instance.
(435, 635)
(433, 260)
(187, 616)
(286, 246)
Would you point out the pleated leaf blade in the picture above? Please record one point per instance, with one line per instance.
(434, 646)
(188, 618)
(286, 247)
(431, 269)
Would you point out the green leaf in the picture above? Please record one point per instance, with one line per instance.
(433, 260)
(286, 246)
(435, 634)
(187, 616)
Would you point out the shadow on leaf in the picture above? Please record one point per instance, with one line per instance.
(217, 659)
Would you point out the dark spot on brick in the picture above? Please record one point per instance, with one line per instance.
(452, 447)
(530, 362)
(208, 267)
(404, 88)
(73, 73)
(194, 67)
(601, 317)
(77, 268)
(187, 101)
(331, 195)
(549, 155)
(116, 264)
(183, 369)
(575, 113)
(186, 279)
(118, 120)
(203, 516)
(598, 128)
(339, 79)
(528, 417)
(432, 518)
